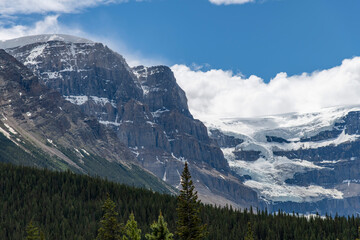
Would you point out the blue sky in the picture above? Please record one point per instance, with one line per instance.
(261, 38)
(255, 38)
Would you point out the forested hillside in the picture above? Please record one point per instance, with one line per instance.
(68, 206)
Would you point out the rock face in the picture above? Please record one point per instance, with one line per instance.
(305, 163)
(45, 126)
(143, 106)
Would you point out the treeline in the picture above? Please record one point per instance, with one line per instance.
(69, 206)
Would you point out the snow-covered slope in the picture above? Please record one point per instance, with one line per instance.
(22, 41)
(271, 149)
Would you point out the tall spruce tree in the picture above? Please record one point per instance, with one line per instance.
(131, 229)
(159, 230)
(249, 234)
(189, 226)
(110, 228)
(33, 232)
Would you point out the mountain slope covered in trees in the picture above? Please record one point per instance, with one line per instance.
(68, 206)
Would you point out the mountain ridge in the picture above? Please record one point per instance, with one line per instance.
(39, 122)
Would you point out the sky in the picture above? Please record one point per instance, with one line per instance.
(233, 58)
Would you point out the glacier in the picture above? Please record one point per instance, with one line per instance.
(269, 172)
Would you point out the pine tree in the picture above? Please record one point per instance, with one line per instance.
(358, 238)
(249, 234)
(189, 225)
(131, 229)
(110, 228)
(33, 232)
(159, 230)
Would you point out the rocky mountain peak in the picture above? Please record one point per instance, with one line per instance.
(161, 90)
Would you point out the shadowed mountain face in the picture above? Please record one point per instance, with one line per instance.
(143, 106)
(40, 128)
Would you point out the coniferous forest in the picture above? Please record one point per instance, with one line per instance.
(64, 205)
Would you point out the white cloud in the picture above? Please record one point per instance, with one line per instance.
(221, 94)
(11, 7)
(49, 24)
(52, 9)
(228, 2)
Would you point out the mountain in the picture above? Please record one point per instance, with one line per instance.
(40, 128)
(305, 163)
(128, 123)
(142, 106)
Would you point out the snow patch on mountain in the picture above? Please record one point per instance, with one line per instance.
(35, 52)
(103, 101)
(78, 100)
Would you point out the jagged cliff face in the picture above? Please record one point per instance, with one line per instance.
(57, 134)
(144, 107)
(298, 162)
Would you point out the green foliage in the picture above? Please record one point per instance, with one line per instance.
(358, 238)
(188, 208)
(110, 228)
(249, 234)
(131, 229)
(68, 206)
(159, 230)
(33, 232)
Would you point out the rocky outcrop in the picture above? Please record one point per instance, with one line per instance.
(161, 90)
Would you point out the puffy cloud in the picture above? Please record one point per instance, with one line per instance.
(49, 24)
(221, 94)
(44, 6)
(228, 2)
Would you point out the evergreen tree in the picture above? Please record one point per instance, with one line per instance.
(159, 230)
(358, 238)
(131, 229)
(249, 234)
(110, 228)
(33, 232)
(189, 225)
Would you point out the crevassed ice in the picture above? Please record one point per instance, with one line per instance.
(269, 172)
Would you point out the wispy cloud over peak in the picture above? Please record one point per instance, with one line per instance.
(228, 2)
(49, 6)
(49, 24)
